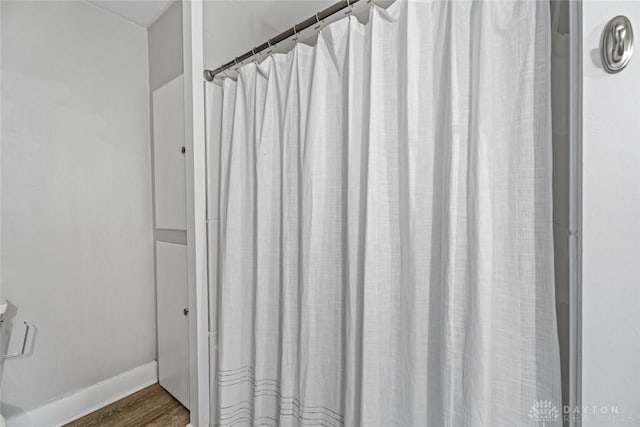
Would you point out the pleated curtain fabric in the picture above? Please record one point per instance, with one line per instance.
(385, 241)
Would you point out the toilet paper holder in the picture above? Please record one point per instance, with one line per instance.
(23, 350)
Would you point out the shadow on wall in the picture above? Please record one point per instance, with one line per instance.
(23, 347)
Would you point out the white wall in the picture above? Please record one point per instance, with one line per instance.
(258, 21)
(165, 47)
(77, 232)
(611, 224)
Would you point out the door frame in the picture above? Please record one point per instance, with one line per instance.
(575, 206)
(193, 57)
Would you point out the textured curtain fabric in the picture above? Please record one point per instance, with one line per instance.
(386, 253)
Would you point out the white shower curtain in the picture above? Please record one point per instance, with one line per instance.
(386, 252)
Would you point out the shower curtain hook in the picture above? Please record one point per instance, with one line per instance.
(224, 71)
(295, 35)
(350, 7)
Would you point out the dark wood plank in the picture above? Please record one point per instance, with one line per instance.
(151, 406)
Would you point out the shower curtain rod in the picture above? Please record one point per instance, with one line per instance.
(309, 22)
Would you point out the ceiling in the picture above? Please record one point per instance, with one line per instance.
(141, 12)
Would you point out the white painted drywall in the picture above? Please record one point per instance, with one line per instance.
(611, 224)
(233, 27)
(141, 12)
(165, 46)
(76, 197)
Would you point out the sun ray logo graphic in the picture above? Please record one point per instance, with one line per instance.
(543, 411)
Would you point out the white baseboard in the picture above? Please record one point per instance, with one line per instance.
(89, 399)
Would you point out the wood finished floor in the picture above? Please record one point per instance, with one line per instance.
(151, 406)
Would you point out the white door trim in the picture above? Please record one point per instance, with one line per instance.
(575, 206)
(193, 40)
